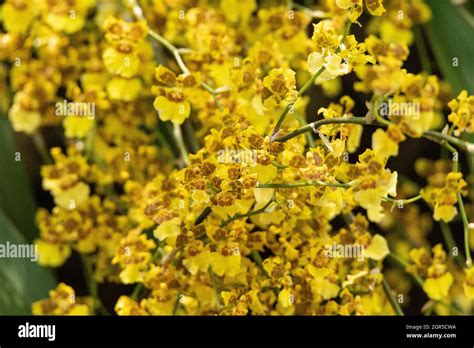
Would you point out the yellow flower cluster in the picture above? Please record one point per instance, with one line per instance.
(432, 269)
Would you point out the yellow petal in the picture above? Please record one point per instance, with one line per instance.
(324, 288)
(378, 248)
(170, 228)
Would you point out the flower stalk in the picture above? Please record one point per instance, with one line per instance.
(305, 87)
(388, 292)
(92, 286)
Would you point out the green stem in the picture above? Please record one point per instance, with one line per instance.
(451, 307)
(304, 184)
(164, 142)
(172, 49)
(257, 258)
(40, 144)
(255, 255)
(278, 165)
(308, 11)
(89, 277)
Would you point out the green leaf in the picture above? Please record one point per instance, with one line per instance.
(450, 33)
(22, 281)
(16, 197)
